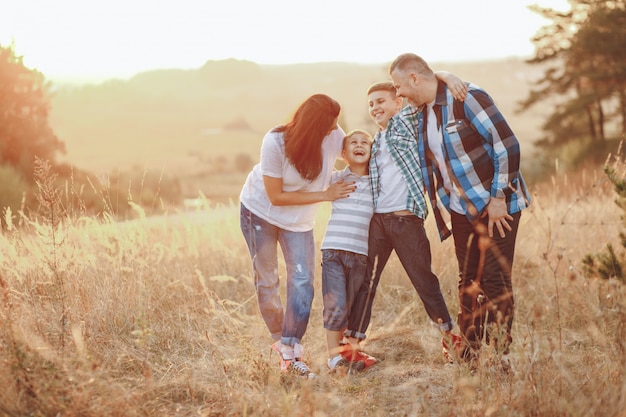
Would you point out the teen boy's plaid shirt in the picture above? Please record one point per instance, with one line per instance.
(482, 151)
(401, 140)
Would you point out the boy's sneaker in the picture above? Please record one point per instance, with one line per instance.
(291, 359)
(342, 367)
(352, 355)
(452, 347)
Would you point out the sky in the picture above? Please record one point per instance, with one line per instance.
(93, 40)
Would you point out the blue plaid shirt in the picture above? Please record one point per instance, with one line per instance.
(401, 139)
(482, 152)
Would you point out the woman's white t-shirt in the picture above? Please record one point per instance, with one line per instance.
(274, 163)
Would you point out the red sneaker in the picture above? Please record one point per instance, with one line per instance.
(354, 355)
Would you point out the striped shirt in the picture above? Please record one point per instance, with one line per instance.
(482, 154)
(401, 140)
(349, 223)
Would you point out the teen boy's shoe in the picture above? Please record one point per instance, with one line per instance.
(451, 346)
(352, 355)
(291, 359)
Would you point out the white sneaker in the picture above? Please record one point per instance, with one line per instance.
(339, 365)
(291, 359)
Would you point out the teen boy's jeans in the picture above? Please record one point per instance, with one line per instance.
(407, 236)
(343, 273)
(299, 251)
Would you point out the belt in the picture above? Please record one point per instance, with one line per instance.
(400, 213)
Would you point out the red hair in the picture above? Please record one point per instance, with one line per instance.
(312, 121)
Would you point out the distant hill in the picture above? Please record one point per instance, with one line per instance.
(189, 122)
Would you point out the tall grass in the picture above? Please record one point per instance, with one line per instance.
(158, 316)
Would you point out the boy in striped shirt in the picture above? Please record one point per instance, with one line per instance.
(344, 248)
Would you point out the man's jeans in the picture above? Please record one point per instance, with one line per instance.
(298, 248)
(343, 273)
(407, 236)
(485, 287)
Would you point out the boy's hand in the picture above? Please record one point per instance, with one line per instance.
(456, 85)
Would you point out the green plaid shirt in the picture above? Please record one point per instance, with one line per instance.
(401, 140)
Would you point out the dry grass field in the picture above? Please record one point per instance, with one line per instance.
(157, 317)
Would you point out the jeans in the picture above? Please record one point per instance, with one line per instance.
(407, 236)
(262, 238)
(485, 287)
(343, 274)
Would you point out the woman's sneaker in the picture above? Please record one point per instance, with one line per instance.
(291, 359)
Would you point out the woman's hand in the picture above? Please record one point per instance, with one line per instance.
(340, 189)
(279, 197)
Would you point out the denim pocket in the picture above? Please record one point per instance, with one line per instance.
(360, 259)
(328, 255)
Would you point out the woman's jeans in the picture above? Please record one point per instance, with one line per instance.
(288, 325)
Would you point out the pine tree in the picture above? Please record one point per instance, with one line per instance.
(611, 264)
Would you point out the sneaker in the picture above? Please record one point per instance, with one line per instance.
(291, 359)
(285, 355)
(343, 367)
(505, 365)
(300, 368)
(452, 346)
(354, 355)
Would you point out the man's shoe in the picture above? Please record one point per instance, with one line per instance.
(505, 365)
(452, 347)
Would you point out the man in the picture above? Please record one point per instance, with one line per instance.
(470, 162)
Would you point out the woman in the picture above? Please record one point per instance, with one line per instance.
(278, 206)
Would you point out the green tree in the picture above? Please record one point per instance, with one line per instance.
(24, 104)
(611, 264)
(583, 51)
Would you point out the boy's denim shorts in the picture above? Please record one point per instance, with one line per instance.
(343, 274)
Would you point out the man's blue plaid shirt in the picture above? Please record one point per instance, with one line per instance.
(482, 152)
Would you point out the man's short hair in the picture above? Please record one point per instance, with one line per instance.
(410, 62)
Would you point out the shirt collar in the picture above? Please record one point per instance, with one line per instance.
(441, 99)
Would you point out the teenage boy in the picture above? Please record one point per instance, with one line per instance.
(399, 213)
(470, 162)
(344, 248)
